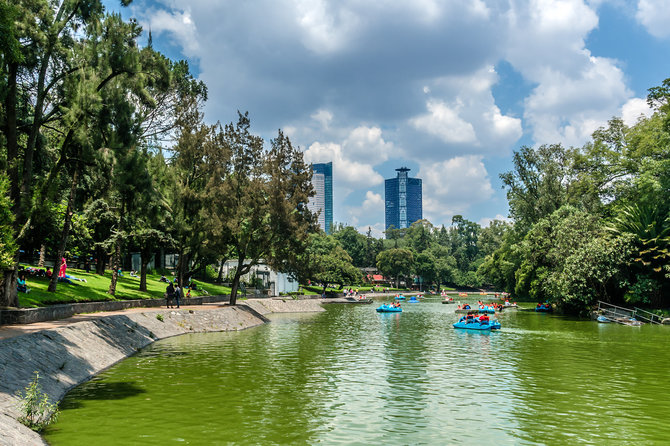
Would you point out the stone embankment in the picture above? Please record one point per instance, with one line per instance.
(69, 355)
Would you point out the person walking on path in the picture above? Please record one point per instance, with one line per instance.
(169, 295)
(177, 294)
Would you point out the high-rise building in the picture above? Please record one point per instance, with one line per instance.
(322, 181)
(404, 200)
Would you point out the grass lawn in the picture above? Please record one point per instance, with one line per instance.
(95, 289)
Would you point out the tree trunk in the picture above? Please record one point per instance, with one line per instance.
(53, 284)
(239, 272)
(144, 261)
(8, 293)
(100, 256)
(219, 278)
(115, 267)
(43, 251)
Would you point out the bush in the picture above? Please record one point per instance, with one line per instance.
(211, 273)
(37, 411)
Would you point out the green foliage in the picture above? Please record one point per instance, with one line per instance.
(538, 184)
(354, 243)
(36, 410)
(326, 262)
(395, 263)
(159, 317)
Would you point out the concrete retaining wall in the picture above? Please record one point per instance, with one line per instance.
(55, 312)
(67, 356)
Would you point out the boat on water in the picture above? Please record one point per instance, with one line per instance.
(603, 320)
(448, 301)
(477, 324)
(544, 308)
(385, 308)
(413, 300)
(400, 297)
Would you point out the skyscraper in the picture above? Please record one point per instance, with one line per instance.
(322, 181)
(404, 200)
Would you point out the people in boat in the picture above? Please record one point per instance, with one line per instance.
(484, 319)
(466, 307)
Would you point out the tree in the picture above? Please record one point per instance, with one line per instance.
(395, 263)
(257, 199)
(354, 243)
(419, 235)
(538, 185)
(326, 262)
(426, 267)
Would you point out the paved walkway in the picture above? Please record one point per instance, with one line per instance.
(8, 331)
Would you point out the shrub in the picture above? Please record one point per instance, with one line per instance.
(159, 317)
(38, 412)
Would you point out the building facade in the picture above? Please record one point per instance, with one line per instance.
(322, 202)
(404, 200)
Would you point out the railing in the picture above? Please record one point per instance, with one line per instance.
(613, 312)
(647, 316)
(621, 314)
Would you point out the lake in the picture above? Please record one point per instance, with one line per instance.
(350, 375)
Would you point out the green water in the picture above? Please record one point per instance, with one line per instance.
(353, 376)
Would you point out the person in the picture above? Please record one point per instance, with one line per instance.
(49, 273)
(188, 293)
(63, 268)
(177, 294)
(21, 283)
(169, 295)
(119, 272)
(163, 279)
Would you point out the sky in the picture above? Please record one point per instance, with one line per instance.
(448, 88)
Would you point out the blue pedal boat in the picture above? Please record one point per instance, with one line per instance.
(384, 308)
(476, 325)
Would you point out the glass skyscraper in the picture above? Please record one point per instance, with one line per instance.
(322, 181)
(404, 200)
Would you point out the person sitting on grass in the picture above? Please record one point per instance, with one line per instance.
(133, 273)
(21, 283)
(66, 280)
(48, 273)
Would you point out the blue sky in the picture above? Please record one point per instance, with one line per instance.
(448, 88)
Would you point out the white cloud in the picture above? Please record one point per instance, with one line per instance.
(345, 171)
(367, 143)
(655, 16)
(326, 27)
(178, 24)
(633, 109)
(444, 122)
(453, 186)
(576, 92)
(323, 117)
(472, 119)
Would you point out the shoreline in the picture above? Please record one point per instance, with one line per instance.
(72, 353)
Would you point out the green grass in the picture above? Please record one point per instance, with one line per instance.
(95, 289)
